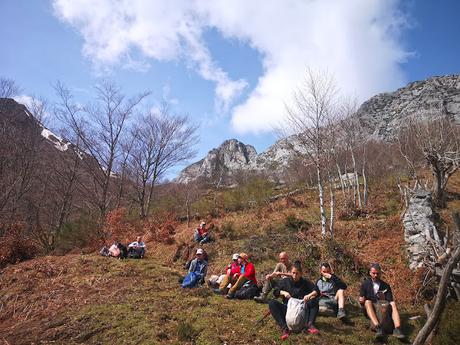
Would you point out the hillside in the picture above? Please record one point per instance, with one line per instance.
(84, 298)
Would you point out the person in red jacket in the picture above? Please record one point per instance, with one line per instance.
(247, 272)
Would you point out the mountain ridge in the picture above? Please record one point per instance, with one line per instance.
(381, 116)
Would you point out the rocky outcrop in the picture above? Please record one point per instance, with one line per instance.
(384, 114)
(231, 156)
(420, 233)
(381, 117)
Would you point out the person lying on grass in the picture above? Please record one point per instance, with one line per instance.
(297, 287)
(373, 292)
(332, 290)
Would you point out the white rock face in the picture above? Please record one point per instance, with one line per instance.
(419, 229)
(384, 114)
(231, 156)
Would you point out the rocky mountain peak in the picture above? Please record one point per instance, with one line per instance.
(384, 114)
(231, 156)
(381, 116)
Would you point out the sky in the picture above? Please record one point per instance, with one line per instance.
(231, 66)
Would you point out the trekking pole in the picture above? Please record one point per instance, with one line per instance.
(263, 318)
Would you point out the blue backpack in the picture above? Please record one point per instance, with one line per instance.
(190, 280)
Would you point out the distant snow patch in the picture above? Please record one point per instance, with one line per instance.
(58, 142)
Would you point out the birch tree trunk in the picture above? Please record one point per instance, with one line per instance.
(342, 184)
(321, 203)
(332, 206)
(356, 189)
(365, 189)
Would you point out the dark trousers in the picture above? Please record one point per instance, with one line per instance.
(279, 310)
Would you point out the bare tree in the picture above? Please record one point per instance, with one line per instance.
(8, 88)
(99, 128)
(453, 258)
(354, 140)
(437, 138)
(161, 141)
(313, 105)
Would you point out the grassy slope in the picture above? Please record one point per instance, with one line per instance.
(93, 300)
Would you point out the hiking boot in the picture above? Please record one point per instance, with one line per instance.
(398, 334)
(217, 291)
(312, 330)
(230, 296)
(379, 333)
(341, 314)
(262, 298)
(285, 334)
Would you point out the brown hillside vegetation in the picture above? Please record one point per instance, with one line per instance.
(88, 299)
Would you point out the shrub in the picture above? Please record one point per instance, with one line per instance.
(227, 230)
(117, 225)
(294, 224)
(16, 245)
(351, 213)
(78, 233)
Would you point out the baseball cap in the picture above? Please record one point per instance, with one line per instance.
(202, 223)
(235, 257)
(199, 251)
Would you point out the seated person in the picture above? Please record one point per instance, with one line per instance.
(123, 250)
(114, 251)
(282, 269)
(204, 256)
(136, 249)
(197, 271)
(332, 290)
(232, 273)
(201, 234)
(299, 287)
(374, 290)
(247, 273)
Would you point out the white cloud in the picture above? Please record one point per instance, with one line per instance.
(355, 40)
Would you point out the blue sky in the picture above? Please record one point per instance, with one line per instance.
(230, 66)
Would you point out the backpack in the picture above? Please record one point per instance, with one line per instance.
(190, 280)
(248, 291)
(104, 251)
(295, 315)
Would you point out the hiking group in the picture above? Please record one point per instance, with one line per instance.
(301, 299)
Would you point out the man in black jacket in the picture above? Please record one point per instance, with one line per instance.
(332, 290)
(374, 290)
